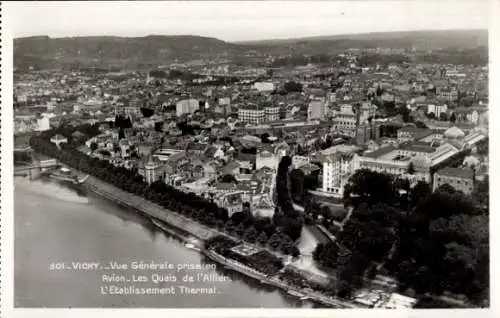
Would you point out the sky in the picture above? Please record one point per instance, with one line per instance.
(242, 21)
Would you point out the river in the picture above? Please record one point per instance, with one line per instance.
(54, 224)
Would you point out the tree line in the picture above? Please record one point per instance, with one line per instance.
(286, 217)
(203, 210)
(431, 242)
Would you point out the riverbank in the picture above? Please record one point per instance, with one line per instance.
(201, 233)
(96, 229)
(276, 282)
(148, 208)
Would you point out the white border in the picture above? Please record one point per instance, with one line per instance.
(6, 224)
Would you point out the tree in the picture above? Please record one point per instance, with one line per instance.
(344, 289)
(420, 124)
(265, 138)
(159, 126)
(294, 251)
(481, 193)
(453, 117)
(229, 227)
(278, 217)
(121, 133)
(411, 168)
(297, 180)
(147, 112)
(262, 238)
(422, 279)
(443, 116)
(291, 87)
(405, 113)
(93, 146)
(326, 254)
(405, 273)
(116, 148)
(237, 218)
(240, 229)
(228, 178)
(274, 241)
(370, 187)
(446, 188)
(431, 115)
(419, 192)
(250, 234)
(482, 148)
(293, 227)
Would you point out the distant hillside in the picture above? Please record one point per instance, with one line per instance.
(422, 40)
(107, 51)
(446, 36)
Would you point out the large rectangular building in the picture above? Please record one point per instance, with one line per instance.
(187, 106)
(339, 164)
(345, 121)
(460, 179)
(317, 109)
(351, 115)
(437, 110)
(413, 160)
(251, 114)
(272, 113)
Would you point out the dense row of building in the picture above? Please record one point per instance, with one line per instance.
(346, 104)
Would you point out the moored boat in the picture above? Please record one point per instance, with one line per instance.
(296, 293)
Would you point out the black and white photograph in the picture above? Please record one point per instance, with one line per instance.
(260, 154)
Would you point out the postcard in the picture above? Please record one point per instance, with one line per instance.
(234, 159)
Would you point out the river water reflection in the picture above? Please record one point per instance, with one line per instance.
(54, 224)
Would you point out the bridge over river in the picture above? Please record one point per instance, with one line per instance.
(36, 169)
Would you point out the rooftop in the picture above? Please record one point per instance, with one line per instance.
(454, 132)
(412, 129)
(456, 172)
(341, 148)
(417, 147)
(380, 152)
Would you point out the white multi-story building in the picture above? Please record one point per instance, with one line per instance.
(367, 110)
(251, 115)
(265, 158)
(339, 163)
(264, 86)
(187, 106)
(270, 157)
(317, 109)
(437, 109)
(337, 169)
(448, 93)
(272, 113)
(298, 161)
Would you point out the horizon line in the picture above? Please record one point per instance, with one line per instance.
(250, 41)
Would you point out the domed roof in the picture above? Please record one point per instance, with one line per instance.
(454, 132)
(250, 138)
(421, 161)
(471, 161)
